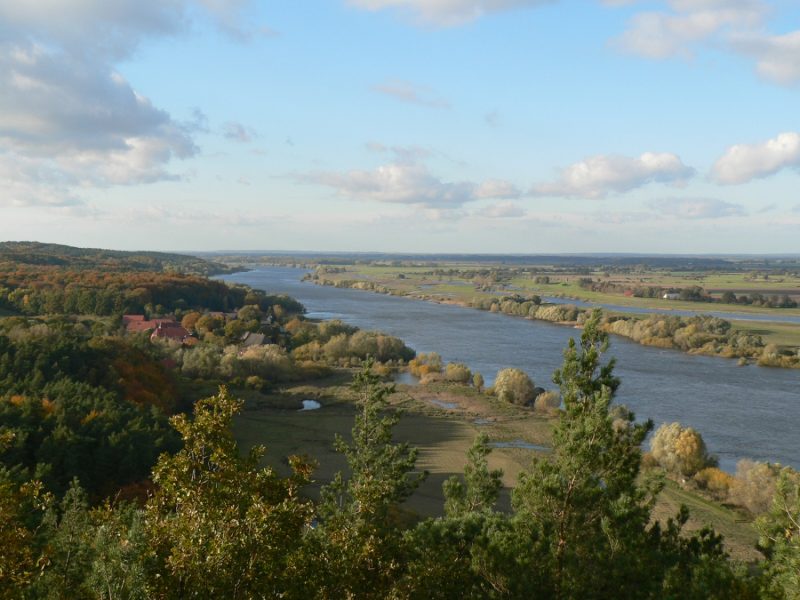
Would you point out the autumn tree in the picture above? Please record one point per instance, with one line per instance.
(680, 450)
(219, 525)
(514, 385)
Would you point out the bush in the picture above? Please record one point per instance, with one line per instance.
(424, 364)
(477, 381)
(514, 386)
(715, 481)
(548, 402)
(457, 372)
(680, 450)
(754, 485)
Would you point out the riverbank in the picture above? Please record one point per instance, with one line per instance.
(743, 411)
(704, 335)
(442, 420)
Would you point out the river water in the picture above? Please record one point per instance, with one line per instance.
(741, 411)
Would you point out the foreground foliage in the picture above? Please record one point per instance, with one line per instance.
(219, 525)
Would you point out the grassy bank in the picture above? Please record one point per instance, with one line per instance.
(441, 420)
(779, 347)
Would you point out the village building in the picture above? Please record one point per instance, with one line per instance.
(169, 330)
(250, 339)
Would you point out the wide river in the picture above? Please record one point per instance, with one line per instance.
(742, 412)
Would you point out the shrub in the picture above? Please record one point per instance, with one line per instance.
(514, 386)
(457, 372)
(425, 363)
(754, 485)
(715, 481)
(548, 402)
(477, 381)
(680, 450)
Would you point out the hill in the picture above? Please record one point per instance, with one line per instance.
(43, 254)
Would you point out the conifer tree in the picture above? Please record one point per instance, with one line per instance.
(358, 542)
(584, 500)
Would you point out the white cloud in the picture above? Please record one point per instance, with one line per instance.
(697, 208)
(401, 154)
(598, 176)
(237, 132)
(744, 162)
(497, 188)
(502, 210)
(67, 115)
(777, 56)
(734, 25)
(410, 93)
(410, 183)
(447, 13)
(675, 33)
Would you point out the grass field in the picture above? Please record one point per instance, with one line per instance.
(419, 282)
(441, 421)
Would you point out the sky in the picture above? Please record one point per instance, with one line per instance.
(476, 126)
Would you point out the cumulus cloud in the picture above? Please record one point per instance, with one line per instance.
(697, 208)
(446, 13)
(407, 92)
(777, 56)
(666, 34)
(598, 176)
(744, 162)
(67, 115)
(410, 183)
(735, 25)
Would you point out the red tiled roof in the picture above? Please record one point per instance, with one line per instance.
(171, 332)
(138, 326)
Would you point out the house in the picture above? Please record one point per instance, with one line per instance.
(137, 323)
(250, 339)
(169, 330)
(671, 296)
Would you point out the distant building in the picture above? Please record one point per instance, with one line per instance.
(251, 339)
(137, 323)
(169, 330)
(671, 296)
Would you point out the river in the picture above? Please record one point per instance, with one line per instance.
(741, 411)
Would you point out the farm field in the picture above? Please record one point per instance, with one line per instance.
(466, 283)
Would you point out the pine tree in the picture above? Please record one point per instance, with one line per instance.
(584, 499)
(358, 545)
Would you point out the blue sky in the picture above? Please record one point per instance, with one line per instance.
(491, 126)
